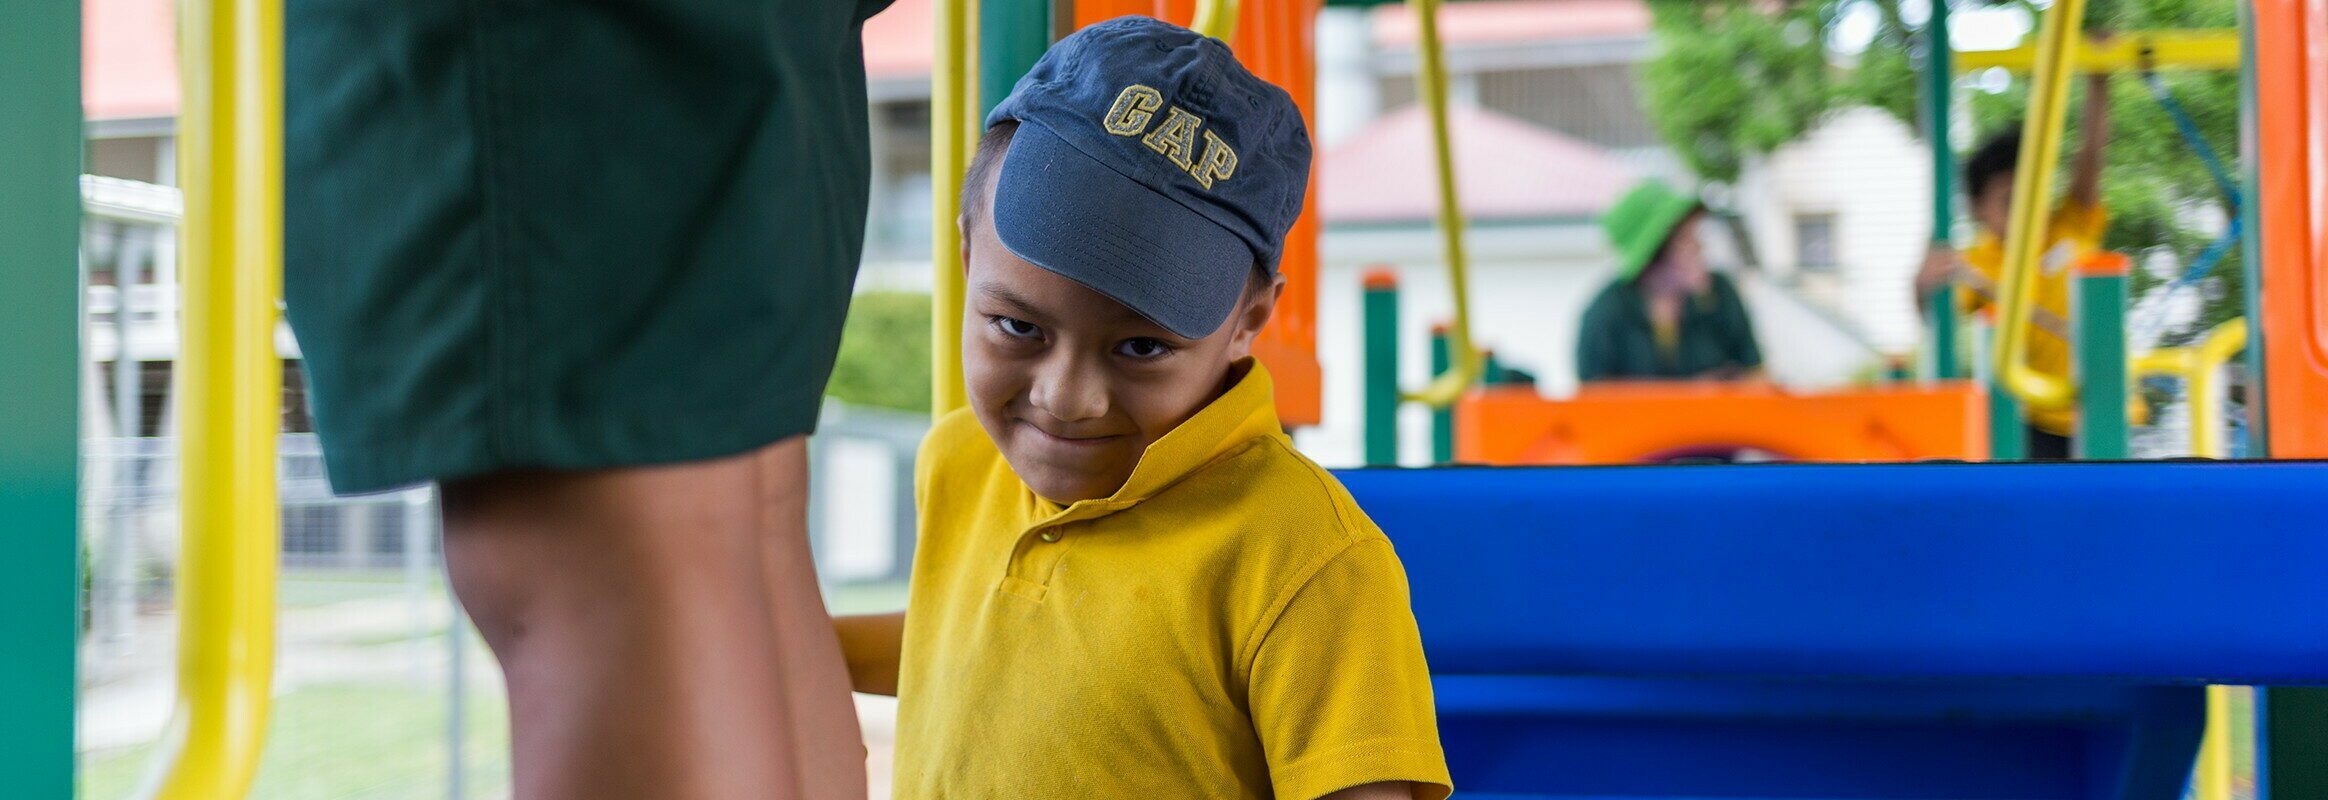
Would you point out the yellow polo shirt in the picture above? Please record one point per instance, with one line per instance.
(2076, 229)
(1227, 625)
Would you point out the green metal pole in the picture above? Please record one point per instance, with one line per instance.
(1939, 91)
(40, 292)
(2251, 243)
(2008, 432)
(1381, 324)
(1442, 419)
(2293, 752)
(1012, 34)
(2102, 381)
(1491, 371)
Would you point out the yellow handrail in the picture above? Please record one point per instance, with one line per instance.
(1464, 362)
(2198, 49)
(1216, 18)
(2057, 48)
(2198, 366)
(230, 144)
(954, 133)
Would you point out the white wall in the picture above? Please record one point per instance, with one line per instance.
(1870, 171)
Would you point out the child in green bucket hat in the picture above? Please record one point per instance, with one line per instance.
(1665, 315)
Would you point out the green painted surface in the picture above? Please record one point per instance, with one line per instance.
(1381, 313)
(1012, 34)
(2251, 243)
(2008, 432)
(2296, 755)
(1939, 88)
(2100, 310)
(1442, 419)
(40, 221)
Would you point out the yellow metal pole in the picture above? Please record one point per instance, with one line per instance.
(230, 146)
(1464, 365)
(2057, 48)
(2213, 781)
(2203, 49)
(1216, 18)
(953, 138)
(2199, 366)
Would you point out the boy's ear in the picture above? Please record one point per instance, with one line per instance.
(1253, 315)
(962, 234)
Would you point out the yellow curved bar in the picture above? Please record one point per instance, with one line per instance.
(230, 144)
(953, 138)
(1216, 18)
(2199, 366)
(1464, 362)
(2025, 239)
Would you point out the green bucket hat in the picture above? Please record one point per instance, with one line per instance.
(1640, 222)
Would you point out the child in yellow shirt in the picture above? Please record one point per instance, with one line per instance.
(1128, 583)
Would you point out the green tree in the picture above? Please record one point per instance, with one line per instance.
(885, 352)
(1734, 79)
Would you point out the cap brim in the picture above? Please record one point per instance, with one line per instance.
(1068, 213)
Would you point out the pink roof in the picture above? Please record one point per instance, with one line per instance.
(1517, 21)
(129, 53)
(899, 41)
(129, 59)
(1504, 168)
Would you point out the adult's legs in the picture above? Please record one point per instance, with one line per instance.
(827, 741)
(640, 624)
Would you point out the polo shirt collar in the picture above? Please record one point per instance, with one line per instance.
(1247, 411)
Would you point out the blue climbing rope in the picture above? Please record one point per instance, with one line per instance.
(2232, 199)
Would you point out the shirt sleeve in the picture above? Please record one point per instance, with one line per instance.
(2081, 222)
(1339, 691)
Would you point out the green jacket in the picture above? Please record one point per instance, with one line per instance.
(1616, 341)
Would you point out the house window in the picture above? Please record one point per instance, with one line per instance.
(1815, 242)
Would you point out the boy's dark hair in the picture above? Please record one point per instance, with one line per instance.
(986, 162)
(1997, 156)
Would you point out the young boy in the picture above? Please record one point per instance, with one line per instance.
(1129, 585)
(2076, 228)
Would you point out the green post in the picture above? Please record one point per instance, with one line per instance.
(1442, 419)
(2293, 749)
(1012, 34)
(1939, 90)
(2251, 244)
(2100, 311)
(1381, 324)
(40, 294)
(1491, 372)
(2008, 432)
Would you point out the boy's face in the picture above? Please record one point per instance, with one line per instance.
(1992, 206)
(1073, 386)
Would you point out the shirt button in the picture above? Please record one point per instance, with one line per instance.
(1050, 534)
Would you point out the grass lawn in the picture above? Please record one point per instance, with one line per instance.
(353, 741)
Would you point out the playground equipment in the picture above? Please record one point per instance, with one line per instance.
(1923, 631)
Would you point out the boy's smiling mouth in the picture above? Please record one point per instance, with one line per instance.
(1072, 440)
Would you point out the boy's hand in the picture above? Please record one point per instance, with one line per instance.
(1941, 265)
(871, 643)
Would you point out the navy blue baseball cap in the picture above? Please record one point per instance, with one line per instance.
(1152, 167)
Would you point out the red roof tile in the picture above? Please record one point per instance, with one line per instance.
(1517, 21)
(1504, 168)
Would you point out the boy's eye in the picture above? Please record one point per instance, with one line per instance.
(1017, 328)
(1144, 348)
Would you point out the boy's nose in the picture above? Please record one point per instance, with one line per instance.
(1070, 392)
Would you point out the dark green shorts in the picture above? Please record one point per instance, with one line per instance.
(568, 233)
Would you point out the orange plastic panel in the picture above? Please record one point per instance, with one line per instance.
(1626, 423)
(1276, 39)
(2291, 110)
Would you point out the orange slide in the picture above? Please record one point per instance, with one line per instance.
(1627, 423)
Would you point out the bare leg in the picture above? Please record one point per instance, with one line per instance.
(828, 744)
(631, 612)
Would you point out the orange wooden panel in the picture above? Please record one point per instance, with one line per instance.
(1622, 423)
(1276, 39)
(2291, 110)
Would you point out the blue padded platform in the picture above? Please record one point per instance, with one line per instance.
(1907, 632)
